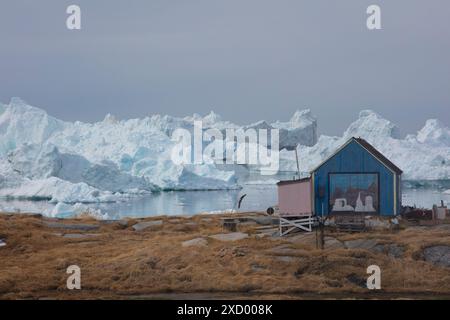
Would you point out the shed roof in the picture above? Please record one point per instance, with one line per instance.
(371, 149)
(281, 183)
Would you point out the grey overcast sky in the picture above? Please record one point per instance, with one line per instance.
(246, 59)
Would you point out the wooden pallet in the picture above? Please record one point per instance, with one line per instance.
(290, 223)
(350, 222)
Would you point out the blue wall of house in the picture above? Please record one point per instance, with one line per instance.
(353, 158)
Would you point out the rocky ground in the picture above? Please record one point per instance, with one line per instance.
(195, 257)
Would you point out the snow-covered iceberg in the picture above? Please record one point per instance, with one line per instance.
(424, 156)
(64, 210)
(35, 161)
(42, 157)
(300, 129)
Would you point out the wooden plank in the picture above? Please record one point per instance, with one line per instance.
(302, 223)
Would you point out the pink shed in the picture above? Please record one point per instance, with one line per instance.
(295, 197)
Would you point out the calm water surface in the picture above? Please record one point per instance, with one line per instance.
(259, 196)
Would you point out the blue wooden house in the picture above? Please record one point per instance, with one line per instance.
(357, 179)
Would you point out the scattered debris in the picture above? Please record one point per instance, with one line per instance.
(230, 224)
(412, 213)
(380, 222)
(239, 251)
(232, 252)
(2, 243)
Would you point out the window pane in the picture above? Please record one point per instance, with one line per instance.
(354, 192)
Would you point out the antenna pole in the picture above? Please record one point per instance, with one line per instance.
(296, 159)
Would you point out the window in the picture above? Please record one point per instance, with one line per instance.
(353, 192)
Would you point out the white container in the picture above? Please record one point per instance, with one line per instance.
(440, 213)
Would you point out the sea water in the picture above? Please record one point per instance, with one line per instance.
(259, 195)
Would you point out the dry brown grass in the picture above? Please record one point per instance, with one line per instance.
(122, 263)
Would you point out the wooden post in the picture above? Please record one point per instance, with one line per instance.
(322, 234)
(298, 166)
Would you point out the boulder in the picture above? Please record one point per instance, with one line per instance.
(123, 223)
(360, 244)
(263, 220)
(393, 250)
(147, 224)
(396, 251)
(438, 255)
(197, 242)
(286, 259)
(286, 250)
(59, 225)
(258, 267)
(267, 230)
(333, 243)
(185, 227)
(80, 235)
(306, 238)
(233, 236)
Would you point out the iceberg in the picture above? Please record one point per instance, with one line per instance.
(64, 210)
(42, 157)
(44, 161)
(424, 156)
(434, 133)
(110, 155)
(57, 190)
(301, 128)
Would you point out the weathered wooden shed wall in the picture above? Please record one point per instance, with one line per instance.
(295, 197)
(353, 158)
